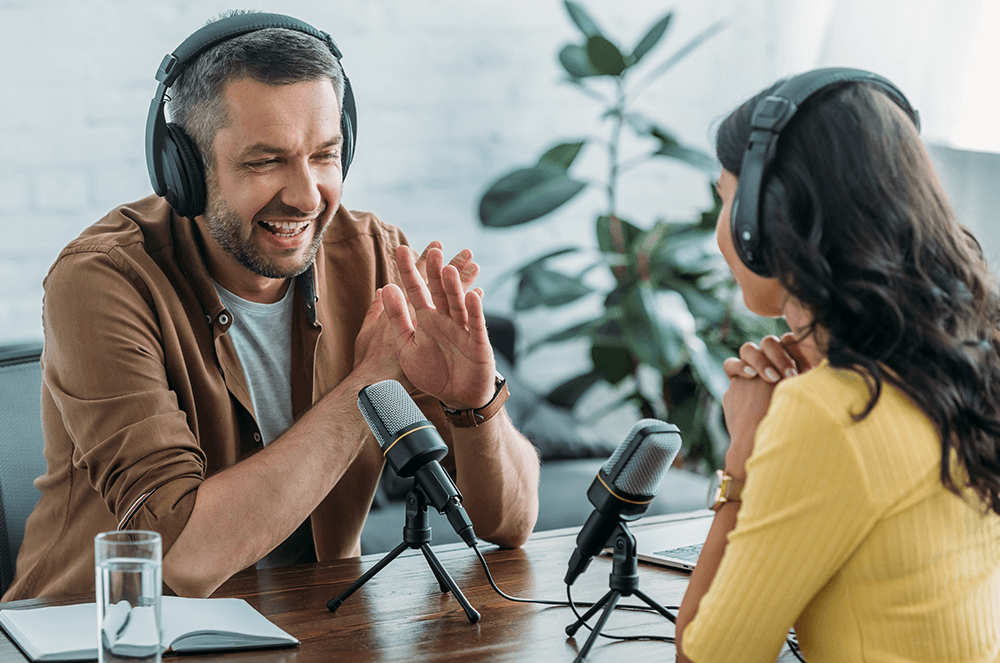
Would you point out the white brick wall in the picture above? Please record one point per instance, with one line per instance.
(451, 94)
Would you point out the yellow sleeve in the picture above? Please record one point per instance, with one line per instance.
(806, 507)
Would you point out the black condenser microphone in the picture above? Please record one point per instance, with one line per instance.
(413, 448)
(624, 487)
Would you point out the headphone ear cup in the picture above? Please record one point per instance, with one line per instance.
(347, 148)
(183, 172)
(348, 127)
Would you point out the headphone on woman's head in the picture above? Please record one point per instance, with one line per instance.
(770, 117)
(176, 170)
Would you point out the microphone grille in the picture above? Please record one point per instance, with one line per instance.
(393, 407)
(643, 471)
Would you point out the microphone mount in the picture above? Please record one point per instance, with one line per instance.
(416, 535)
(623, 581)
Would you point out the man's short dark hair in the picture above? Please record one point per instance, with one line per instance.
(273, 56)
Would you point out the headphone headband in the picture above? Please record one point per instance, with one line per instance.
(770, 117)
(176, 170)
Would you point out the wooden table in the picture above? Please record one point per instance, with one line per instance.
(401, 614)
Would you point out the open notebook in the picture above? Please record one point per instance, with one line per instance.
(69, 632)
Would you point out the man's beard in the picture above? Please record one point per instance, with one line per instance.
(228, 229)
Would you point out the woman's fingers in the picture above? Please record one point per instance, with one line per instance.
(771, 360)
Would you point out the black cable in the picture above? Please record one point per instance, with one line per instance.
(660, 638)
(561, 604)
(572, 605)
(793, 644)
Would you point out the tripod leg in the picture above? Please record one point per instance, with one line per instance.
(601, 621)
(442, 574)
(575, 626)
(442, 583)
(333, 604)
(655, 606)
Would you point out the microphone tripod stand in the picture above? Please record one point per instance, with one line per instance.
(416, 534)
(624, 581)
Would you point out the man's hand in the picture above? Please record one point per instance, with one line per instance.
(441, 347)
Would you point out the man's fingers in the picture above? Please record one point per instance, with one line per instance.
(467, 269)
(477, 319)
(376, 308)
(416, 288)
(435, 261)
(421, 260)
(452, 287)
(397, 311)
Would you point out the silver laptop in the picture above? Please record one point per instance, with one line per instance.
(675, 544)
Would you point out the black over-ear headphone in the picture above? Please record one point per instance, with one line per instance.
(769, 118)
(175, 167)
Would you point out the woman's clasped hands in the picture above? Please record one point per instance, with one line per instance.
(752, 378)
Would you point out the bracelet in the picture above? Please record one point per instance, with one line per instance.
(480, 415)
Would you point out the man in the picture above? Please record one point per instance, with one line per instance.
(179, 352)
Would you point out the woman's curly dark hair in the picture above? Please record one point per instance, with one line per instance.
(856, 227)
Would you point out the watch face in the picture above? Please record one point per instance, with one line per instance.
(714, 489)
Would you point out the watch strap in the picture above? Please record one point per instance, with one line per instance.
(729, 490)
(476, 417)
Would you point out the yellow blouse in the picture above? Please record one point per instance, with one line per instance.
(847, 532)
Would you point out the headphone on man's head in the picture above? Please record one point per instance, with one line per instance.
(770, 117)
(176, 170)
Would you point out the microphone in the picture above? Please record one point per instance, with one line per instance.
(413, 448)
(624, 487)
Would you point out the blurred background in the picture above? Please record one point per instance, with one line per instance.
(454, 95)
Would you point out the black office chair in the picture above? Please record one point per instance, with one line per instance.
(21, 443)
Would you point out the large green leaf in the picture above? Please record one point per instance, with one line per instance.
(605, 57)
(582, 19)
(687, 251)
(653, 328)
(671, 317)
(545, 287)
(526, 194)
(710, 216)
(570, 391)
(551, 254)
(575, 61)
(616, 235)
(652, 37)
(680, 54)
(705, 308)
(689, 155)
(613, 363)
(579, 330)
(669, 145)
(563, 154)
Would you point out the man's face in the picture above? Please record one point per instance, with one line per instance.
(275, 185)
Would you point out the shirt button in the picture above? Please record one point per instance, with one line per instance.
(256, 437)
(224, 319)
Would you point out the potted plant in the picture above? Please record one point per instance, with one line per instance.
(672, 309)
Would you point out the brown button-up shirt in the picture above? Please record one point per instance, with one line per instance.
(143, 396)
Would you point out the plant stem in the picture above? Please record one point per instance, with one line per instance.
(616, 132)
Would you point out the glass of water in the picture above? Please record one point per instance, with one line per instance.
(128, 587)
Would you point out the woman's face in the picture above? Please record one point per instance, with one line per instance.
(763, 296)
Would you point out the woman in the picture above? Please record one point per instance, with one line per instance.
(868, 437)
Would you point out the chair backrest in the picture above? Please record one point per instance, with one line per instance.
(21, 447)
